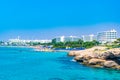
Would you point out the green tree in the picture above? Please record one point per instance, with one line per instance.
(96, 43)
(117, 41)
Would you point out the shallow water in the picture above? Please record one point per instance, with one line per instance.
(25, 64)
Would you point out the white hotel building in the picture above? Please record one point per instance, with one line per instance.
(17, 40)
(88, 38)
(107, 36)
(66, 38)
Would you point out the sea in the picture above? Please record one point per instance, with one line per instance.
(18, 63)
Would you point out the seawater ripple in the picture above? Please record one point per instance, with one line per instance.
(26, 64)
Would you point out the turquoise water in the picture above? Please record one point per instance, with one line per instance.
(25, 64)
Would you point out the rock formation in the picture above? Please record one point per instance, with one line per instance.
(98, 56)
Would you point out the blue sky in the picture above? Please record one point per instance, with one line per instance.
(45, 19)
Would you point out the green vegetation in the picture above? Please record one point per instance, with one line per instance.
(74, 44)
(69, 44)
(115, 44)
(33, 43)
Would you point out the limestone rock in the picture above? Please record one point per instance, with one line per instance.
(71, 53)
(78, 58)
(96, 62)
(110, 64)
(107, 55)
(98, 56)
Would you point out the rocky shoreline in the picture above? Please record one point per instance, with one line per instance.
(98, 57)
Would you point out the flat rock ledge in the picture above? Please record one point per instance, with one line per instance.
(98, 57)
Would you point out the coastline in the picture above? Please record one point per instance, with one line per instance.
(37, 49)
(16, 46)
(98, 57)
(94, 57)
(36, 64)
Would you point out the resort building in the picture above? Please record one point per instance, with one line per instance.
(60, 39)
(17, 40)
(66, 39)
(88, 38)
(107, 36)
